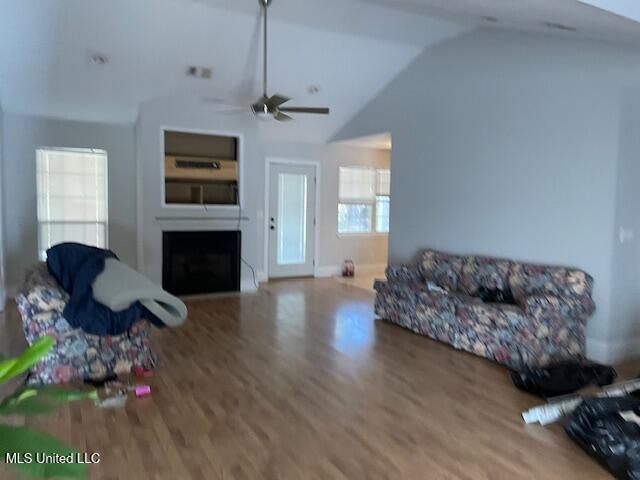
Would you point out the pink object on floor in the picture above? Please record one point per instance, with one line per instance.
(143, 390)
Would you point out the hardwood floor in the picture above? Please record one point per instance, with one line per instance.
(299, 382)
(362, 280)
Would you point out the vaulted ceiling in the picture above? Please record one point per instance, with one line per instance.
(349, 55)
(348, 49)
(612, 20)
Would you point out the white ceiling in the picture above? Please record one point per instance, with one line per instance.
(625, 8)
(608, 22)
(349, 48)
(44, 68)
(380, 141)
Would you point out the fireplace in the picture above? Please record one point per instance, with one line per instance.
(201, 262)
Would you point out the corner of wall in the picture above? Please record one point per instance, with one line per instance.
(139, 248)
(3, 292)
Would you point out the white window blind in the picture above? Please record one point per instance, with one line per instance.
(383, 185)
(383, 190)
(357, 185)
(72, 197)
(363, 197)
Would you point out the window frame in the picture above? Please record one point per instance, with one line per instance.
(373, 203)
(381, 232)
(105, 223)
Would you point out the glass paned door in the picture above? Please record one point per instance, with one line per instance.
(291, 220)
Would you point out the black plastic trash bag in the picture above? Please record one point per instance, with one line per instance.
(562, 379)
(607, 429)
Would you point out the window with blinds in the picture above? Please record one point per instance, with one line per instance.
(363, 200)
(383, 200)
(72, 197)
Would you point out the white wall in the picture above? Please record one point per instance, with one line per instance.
(196, 116)
(135, 187)
(364, 250)
(624, 330)
(507, 144)
(23, 135)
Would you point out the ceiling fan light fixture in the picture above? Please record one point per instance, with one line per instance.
(271, 107)
(264, 116)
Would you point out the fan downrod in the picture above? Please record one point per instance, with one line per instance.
(264, 3)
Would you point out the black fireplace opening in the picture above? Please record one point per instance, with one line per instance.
(201, 262)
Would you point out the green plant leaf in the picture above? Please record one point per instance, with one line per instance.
(22, 440)
(62, 394)
(36, 401)
(5, 366)
(29, 357)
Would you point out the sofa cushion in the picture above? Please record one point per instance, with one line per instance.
(528, 279)
(487, 272)
(443, 269)
(480, 316)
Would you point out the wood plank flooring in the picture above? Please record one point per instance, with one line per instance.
(299, 381)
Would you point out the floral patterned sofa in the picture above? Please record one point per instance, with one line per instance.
(76, 355)
(546, 323)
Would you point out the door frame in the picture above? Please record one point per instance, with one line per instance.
(267, 187)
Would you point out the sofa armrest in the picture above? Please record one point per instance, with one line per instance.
(408, 273)
(545, 306)
(41, 292)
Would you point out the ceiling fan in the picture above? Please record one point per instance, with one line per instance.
(267, 107)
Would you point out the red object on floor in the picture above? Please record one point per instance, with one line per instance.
(142, 373)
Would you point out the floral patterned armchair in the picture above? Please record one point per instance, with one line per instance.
(76, 355)
(545, 324)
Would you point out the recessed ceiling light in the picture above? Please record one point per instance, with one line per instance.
(198, 71)
(560, 26)
(97, 58)
(313, 89)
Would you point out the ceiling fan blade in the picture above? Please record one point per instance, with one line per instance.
(235, 111)
(222, 102)
(276, 100)
(316, 110)
(281, 117)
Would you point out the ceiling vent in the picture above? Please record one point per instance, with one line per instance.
(97, 58)
(198, 72)
(560, 26)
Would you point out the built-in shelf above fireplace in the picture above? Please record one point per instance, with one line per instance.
(201, 262)
(200, 169)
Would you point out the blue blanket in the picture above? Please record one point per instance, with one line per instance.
(75, 267)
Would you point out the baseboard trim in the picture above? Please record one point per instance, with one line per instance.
(597, 350)
(336, 270)
(262, 276)
(370, 268)
(327, 271)
(247, 285)
(613, 351)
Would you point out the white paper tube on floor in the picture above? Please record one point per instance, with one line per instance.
(561, 406)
